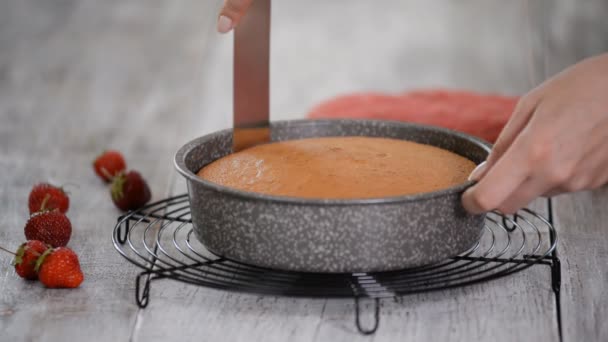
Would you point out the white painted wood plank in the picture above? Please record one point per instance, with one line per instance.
(574, 31)
(505, 310)
(577, 32)
(319, 53)
(77, 77)
(143, 63)
(581, 221)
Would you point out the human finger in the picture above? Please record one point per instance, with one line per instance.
(527, 192)
(231, 13)
(509, 172)
(519, 119)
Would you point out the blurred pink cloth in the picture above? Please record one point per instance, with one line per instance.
(480, 115)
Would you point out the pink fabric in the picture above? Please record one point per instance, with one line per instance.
(481, 115)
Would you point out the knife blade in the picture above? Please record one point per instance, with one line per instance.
(251, 98)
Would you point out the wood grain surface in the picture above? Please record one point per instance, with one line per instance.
(145, 76)
(581, 221)
(77, 77)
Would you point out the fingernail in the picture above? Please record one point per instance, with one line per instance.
(478, 171)
(224, 24)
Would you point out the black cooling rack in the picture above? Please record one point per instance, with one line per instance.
(159, 239)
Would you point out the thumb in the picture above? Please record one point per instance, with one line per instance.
(231, 14)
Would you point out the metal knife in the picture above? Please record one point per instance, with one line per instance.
(252, 77)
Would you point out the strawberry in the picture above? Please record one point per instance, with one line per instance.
(45, 196)
(59, 268)
(129, 191)
(109, 164)
(26, 257)
(50, 227)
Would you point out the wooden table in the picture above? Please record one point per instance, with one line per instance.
(145, 76)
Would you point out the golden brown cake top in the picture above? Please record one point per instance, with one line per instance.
(340, 168)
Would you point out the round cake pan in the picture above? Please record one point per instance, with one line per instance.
(332, 235)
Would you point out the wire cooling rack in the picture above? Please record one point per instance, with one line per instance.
(159, 239)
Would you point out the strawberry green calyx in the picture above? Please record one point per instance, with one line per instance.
(42, 257)
(19, 255)
(118, 185)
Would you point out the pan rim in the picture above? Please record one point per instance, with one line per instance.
(182, 152)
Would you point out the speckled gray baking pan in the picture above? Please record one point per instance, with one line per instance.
(332, 235)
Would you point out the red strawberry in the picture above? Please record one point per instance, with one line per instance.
(27, 255)
(59, 268)
(45, 196)
(109, 164)
(130, 191)
(50, 227)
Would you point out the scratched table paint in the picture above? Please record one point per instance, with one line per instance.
(78, 76)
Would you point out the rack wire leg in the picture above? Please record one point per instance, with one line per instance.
(142, 292)
(122, 238)
(376, 317)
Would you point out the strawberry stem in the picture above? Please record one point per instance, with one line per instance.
(44, 202)
(6, 250)
(106, 173)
